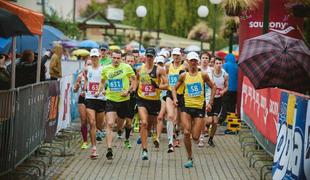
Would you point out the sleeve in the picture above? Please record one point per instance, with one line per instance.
(129, 71)
(104, 73)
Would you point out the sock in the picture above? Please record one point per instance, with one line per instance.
(110, 149)
(170, 132)
(127, 133)
(145, 150)
(119, 132)
(84, 132)
(211, 138)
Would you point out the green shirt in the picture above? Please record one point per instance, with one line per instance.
(105, 61)
(117, 80)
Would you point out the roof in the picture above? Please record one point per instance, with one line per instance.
(33, 20)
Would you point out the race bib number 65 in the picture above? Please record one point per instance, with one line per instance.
(93, 87)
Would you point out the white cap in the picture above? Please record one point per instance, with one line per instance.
(176, 51)
(160, 59)
(193, 55)
(94, 52)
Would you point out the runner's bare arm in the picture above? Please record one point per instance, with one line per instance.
(164, 82)
(167, 65)
(133, 83)
(101, 88)
(225, 85)
(176, 87)
(77, 84)
(211, 84)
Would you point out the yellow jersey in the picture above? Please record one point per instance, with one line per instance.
(173, 76)
(194, 91)
(145, 89)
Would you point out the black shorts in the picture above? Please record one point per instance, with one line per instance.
(95, 104)
(180, 98)
(81, 100)
(132, 107)
(194, 112)
(216, 107)
(152, 106)
(121, 108)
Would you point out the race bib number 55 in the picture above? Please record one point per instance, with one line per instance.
(194, 89)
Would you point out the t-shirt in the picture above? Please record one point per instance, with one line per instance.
(105, 61)
(117, 80)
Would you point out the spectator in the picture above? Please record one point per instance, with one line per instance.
(55, 65)
(231, 68)
(4, 74)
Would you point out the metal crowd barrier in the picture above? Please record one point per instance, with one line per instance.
(23, 112)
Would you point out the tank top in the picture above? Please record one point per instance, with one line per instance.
(94, 79)
(173, 77)
(207, 88)
(194, 91)
(145, 89)
(219, 81)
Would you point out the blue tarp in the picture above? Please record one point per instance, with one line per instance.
(49, 35)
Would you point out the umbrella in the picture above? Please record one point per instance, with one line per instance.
(11, 24)
(191, 48)
(276, 60)
(114, 47)
(80, 52)
(69, 43)
(88, 44)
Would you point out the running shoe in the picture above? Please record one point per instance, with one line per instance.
(93, 154)
(201, 144)
(156, 143)
(109, 154)
(177, 143)
(188, 164)
(210, 142)
(84, 145)
(119, 135)
(145, 155)
(139, 140)
(170, 148)
(127, 144)
(99, 135)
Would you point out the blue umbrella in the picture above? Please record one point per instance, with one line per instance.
(49, 35)
(88, 44)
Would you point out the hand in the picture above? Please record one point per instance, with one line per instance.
(83, 94)
(208, 107)
(154, 84)
(221, 93)
(96, 94)
(175, 102)
(103, 92)
(125, 93)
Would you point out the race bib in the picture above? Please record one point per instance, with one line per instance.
(116, 85)
(173, 79)
(148, 90)
(218, 92)
(194, 89)
(93, 87)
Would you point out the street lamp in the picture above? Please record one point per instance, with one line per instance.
(215, 2)
(141, 12)
(203, 12)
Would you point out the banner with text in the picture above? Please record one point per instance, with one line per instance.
(262, 107)
(292, 154)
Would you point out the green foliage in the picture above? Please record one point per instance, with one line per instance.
(69, 28)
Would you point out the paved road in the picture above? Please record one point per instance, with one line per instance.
(225, 161)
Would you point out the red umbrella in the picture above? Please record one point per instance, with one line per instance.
(276, 60)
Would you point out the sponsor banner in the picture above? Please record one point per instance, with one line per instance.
(292, 153)
(280, 20)
(52, 117)
(74, 99)
(64, 116)
(262, 107)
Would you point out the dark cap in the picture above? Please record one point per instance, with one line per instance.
(150, 52)
(104, 46)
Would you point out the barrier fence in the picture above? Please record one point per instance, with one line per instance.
(32, 115)
(280, 122)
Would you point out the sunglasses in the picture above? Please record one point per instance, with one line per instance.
(94, 56)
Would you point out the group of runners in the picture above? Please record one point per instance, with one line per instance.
(186, 90)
